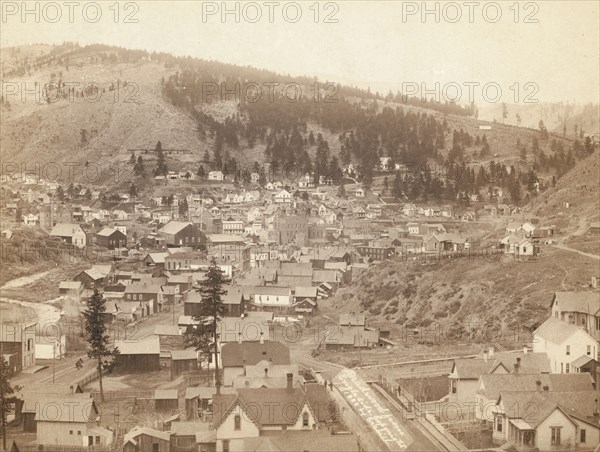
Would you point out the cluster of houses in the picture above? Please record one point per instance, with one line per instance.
(525, 238)
(249, 226)
(265, 402)
(544, 397)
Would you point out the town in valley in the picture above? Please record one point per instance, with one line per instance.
(214, 256)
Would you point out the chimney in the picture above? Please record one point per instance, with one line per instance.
(491, 352)
(290, 379)
(538, 385)
(546, 388)
(239, 338)
(262, 339)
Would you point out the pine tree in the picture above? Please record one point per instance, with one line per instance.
(205, 336)
(262, 178)
(138, 168)
(97, 338)
(161, 166)
(515, 191)
(6, 396)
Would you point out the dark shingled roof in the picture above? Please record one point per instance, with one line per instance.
(234, 354)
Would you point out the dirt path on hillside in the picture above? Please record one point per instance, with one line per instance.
(45, 313)
(24, 280)
(566, 248)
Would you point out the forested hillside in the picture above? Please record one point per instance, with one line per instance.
(140, 98)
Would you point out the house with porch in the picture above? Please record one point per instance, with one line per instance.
(578, 308)
(252, 413)
(543, 420)
(563, 343)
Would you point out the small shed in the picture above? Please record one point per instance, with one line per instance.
(183, 361)
(138, 355)
(166, 400)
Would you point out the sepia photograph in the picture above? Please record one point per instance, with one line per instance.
(300, 226)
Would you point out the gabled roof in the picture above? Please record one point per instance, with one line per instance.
(582, 302)
(189, 428)
(136, 431)
(556, 331)
(305, 292)
(69, 285)
(143, 288)
(293, 441)
(265, 407)
(234, 354)
(157, 258)
(85, 411)
(165, 394)
(493, 384)
(582, 361)
(272, 290)
(107, 231)
(66, 229)
(167, 330)
(150, 346)
(173, 227)
(577, 404)
(234, 295)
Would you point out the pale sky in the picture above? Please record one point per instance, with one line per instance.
(370, 45)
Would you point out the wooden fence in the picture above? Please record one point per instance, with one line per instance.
(126, 394)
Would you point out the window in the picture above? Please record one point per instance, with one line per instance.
(97, 440)
(155, 447)
(567, 368)
(79, 432)
(237, 422)
(453, 386)
(582, 436)
(70, 432)
(225, 445)
(305, 419)
(555, 435)
(589, 350)
(568, 349)
(499, 424)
